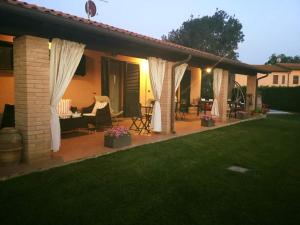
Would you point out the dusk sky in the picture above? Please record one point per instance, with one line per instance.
(270, 26)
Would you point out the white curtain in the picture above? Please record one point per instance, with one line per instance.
(179, 72)
(64, 59)
(157, 69)
(216, 88)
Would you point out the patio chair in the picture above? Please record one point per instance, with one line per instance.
(140, 122)
(183, 108)
(235, 107)
(201, 106)
(101, 119)
(103, 98)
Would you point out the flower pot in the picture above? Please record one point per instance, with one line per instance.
(117, 142)
(10, 146)
(207, 123)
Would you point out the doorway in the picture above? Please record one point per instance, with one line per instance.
(120, 81)
(185, 88)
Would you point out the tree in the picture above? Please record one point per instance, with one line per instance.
(282, 58)
(219, 34)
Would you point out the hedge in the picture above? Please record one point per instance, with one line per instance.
(281, 98)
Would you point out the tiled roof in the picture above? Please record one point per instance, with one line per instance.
(272, 68)
(279, 67)
(291, 66)
(127, 33)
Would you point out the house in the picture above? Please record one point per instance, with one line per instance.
(280, 75)
(126, 66)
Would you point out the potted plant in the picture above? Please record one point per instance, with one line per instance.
(207, 121)
(117, 137)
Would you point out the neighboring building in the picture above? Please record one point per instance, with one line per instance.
(281, 75)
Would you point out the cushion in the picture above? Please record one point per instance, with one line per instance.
(64, 106)
(98, 105)
(88, 114)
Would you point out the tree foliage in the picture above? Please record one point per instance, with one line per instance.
(282, 58)
(219, 34)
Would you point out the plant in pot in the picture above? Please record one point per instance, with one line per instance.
(207, 121)
(117, 137)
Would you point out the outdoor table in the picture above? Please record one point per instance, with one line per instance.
(72, 123)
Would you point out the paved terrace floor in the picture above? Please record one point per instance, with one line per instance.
(82, 145)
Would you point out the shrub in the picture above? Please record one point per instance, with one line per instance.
(281, 98)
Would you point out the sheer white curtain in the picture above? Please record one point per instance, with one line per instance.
(64, 59)
(216, 88)
(179, 72)
(157, 69)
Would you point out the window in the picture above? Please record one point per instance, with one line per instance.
(6, 56)
(283, 80)
(275, 79)
(295, 79)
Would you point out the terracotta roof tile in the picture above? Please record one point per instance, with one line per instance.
(272, 68)
(291, 66)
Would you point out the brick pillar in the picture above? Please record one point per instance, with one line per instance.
(251, 93)
(223, 96)
(165, 100)
(32, 107)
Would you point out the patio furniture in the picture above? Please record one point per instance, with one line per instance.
(73, 123)
(140, 122)
(101, 118)
(148, 116)
(113, 114)
(64, 107)
(200, 106)
(235, 107)
(208, 105)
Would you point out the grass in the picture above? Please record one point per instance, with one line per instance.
(181, 181)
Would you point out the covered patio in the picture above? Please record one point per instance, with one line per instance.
(108, 50)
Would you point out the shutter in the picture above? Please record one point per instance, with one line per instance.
(104, 76)
(131, 88)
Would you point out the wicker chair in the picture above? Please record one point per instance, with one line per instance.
(101, 120)
(106, 99)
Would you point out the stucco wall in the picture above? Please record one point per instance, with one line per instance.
(195, 84)
(82, 89)
(241, 79)
(7, 82)
(268, 81)
(7, 95)
(294, 73)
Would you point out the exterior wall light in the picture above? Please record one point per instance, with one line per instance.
(208, 70)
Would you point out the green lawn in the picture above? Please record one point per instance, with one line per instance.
(181, 181)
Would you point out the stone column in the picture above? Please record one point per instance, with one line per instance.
(165, 100)
(223, 96)
(32, 104)
(251, 93)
